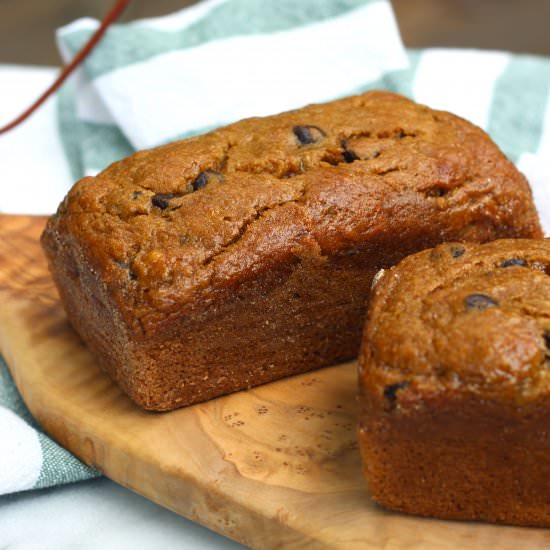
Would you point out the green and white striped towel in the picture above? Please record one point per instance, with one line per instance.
(157, 80)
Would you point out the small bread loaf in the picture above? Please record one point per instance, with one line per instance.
(455, 383)
(244, 255)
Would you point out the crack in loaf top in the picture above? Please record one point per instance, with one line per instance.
(459, 317)
(206, 212)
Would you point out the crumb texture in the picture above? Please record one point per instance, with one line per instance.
(162, 224)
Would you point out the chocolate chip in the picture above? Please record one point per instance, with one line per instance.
(457, 251)
(308, 134)
(547, 338)
(390, 392)
(514, 261)
(397, 133)
(162, 200)
(348, 154)
(436, 191)
(202, 179)
(479, 302)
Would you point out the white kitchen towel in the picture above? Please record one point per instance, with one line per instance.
(156, 80)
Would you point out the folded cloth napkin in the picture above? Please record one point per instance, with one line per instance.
(157, 80)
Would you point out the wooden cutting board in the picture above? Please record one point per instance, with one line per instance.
(273, 467)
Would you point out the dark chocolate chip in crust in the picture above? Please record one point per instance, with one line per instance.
(202, 179)
(390, 392)
(436, 191)
(547, 338)
(479, 302)
(348, 154)
(308, 134)
(457, 251)
(162, 200)
(514, 261)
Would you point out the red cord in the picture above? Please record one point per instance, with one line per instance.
(110, 18)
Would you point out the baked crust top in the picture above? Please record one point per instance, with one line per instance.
(174, 227)
(461, 319)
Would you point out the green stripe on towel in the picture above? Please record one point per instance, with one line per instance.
(520, 100)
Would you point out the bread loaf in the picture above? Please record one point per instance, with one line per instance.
(244, 255)
(455, 383)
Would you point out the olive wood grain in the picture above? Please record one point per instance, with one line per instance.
(273, 467)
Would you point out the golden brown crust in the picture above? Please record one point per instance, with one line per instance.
(455, 383)
(329, 192)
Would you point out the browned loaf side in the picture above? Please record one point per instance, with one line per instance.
(455, 384)
(244, 255)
